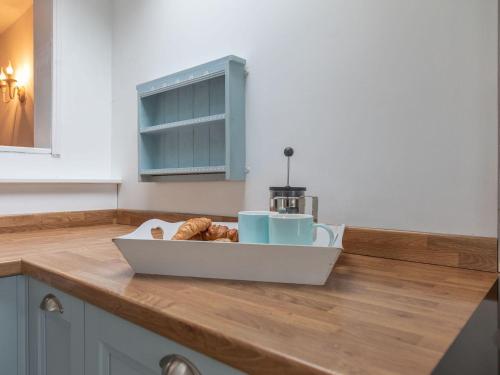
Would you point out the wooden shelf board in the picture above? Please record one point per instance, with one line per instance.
(206, 120)
(167, 86)
(188, 170)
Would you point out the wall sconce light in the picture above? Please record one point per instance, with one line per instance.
(10, 86)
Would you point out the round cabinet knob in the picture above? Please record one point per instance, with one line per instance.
(174, 364)
(51, 303)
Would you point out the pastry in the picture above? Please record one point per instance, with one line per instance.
(232, 234)
(191, 228)
(196, 237)
(202, 229)
(215, 232)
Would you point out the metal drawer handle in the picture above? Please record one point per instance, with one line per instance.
(51, 303)
(174, 364)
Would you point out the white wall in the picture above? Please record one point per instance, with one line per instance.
(33, 198)
(83, 119)
(391, 105)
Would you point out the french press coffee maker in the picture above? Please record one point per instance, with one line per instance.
(291, 199)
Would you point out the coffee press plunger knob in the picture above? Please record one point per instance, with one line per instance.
(288, 151)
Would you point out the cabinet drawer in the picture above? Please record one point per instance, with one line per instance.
(114, 346)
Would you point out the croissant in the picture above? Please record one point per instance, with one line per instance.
(217, 232)
(232, 234)
(191, 228)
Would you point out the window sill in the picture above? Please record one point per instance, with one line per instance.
(25, 150)
(109, 181)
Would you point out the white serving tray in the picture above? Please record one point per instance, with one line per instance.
(224, 260)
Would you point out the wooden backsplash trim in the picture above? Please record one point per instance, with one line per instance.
(137, 217)
(477, 253)
(53, 220)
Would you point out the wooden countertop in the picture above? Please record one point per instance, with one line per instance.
(374, 316)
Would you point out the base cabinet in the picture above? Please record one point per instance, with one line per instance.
(114, 346)
(56, 331)
(13, 335)
(69, 337)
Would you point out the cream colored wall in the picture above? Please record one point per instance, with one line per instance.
(16, 119)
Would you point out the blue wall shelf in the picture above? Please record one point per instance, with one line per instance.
(192, 123)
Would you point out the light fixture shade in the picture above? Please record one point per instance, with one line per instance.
(11, 85)
(9, 70)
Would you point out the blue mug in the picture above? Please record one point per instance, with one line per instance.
(295, 229)
(253, 226)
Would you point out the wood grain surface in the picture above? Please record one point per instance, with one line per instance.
(374, 315)
(137, 217)
(479, 253)
(52, 220)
